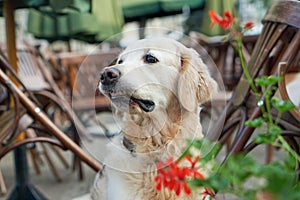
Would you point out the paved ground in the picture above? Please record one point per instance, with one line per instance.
(70, 186)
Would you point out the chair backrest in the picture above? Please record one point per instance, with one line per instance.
(29, 71)
(3, 97)
(35, 75)
(10, 113)
(278, 42)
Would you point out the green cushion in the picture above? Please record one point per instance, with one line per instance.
(109, 16)
(105, 20)
(138, 8)
(61, 26)
(177, 5)
(34, 22)
(80, 23)
(46, 26)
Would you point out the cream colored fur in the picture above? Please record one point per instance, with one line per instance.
(177, 84)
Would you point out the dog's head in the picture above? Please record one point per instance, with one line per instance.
(150, 73)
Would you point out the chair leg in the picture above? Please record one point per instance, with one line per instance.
(23, 189)
(35, 160)
(30, 133)
(50, 163)
(269, 153)
(77, 162)
(56, 150)
(2, 184)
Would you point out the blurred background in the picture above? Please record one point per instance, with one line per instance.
(70, 42)
(83, 22)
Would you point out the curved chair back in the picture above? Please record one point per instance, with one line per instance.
(278, 42)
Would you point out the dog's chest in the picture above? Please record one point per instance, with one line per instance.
(129, 185)
(124, 174)
(118, 187)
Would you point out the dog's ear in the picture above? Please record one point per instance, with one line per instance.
(195, 84)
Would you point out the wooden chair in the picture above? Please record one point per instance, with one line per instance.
(22, 104)
(278, 42)
(83, 72)
(34, 73)
(4, 117)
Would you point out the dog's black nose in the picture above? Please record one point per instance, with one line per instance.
(110, 76)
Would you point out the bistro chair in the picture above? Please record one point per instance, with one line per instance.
(278, 42)
(25, 112)
(35, 75)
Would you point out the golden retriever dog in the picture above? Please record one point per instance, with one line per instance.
(156, 86)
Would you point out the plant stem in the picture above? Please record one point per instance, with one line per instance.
(278, 118)
(288, 148)
(268, 106)
(245, 69)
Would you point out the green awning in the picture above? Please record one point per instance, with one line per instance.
(56, 4)
(90, 21)
(177, 5)
(134, 9)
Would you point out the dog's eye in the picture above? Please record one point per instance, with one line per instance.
(120, 61)
(150, 59)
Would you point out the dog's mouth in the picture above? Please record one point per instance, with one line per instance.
(146, 105)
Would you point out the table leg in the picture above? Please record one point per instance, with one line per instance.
(23, 189)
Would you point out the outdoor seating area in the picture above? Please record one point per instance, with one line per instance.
(55, 123)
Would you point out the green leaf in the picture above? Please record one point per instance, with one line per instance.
(279, 178)
(267, 80)
(197, 143)
(238, 168)
(274, 130)
(281, 181)
(282, 106)
(264, 138)
(197, 183)
(270, 92)
(255, 122)
(212, 154)
(217, 182)
(272, 133)
(208, 149)
(290, 162)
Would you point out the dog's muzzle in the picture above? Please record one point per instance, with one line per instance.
(108, 80)
(109, 77)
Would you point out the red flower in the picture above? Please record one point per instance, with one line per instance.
(172, 176)
(248, 25)
(193, 162)
(215, 19)
(193, 171)
(208, 192)
(225, 22)
(159, 181)
(160, 166)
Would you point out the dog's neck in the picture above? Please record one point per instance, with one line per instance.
(150, 132)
